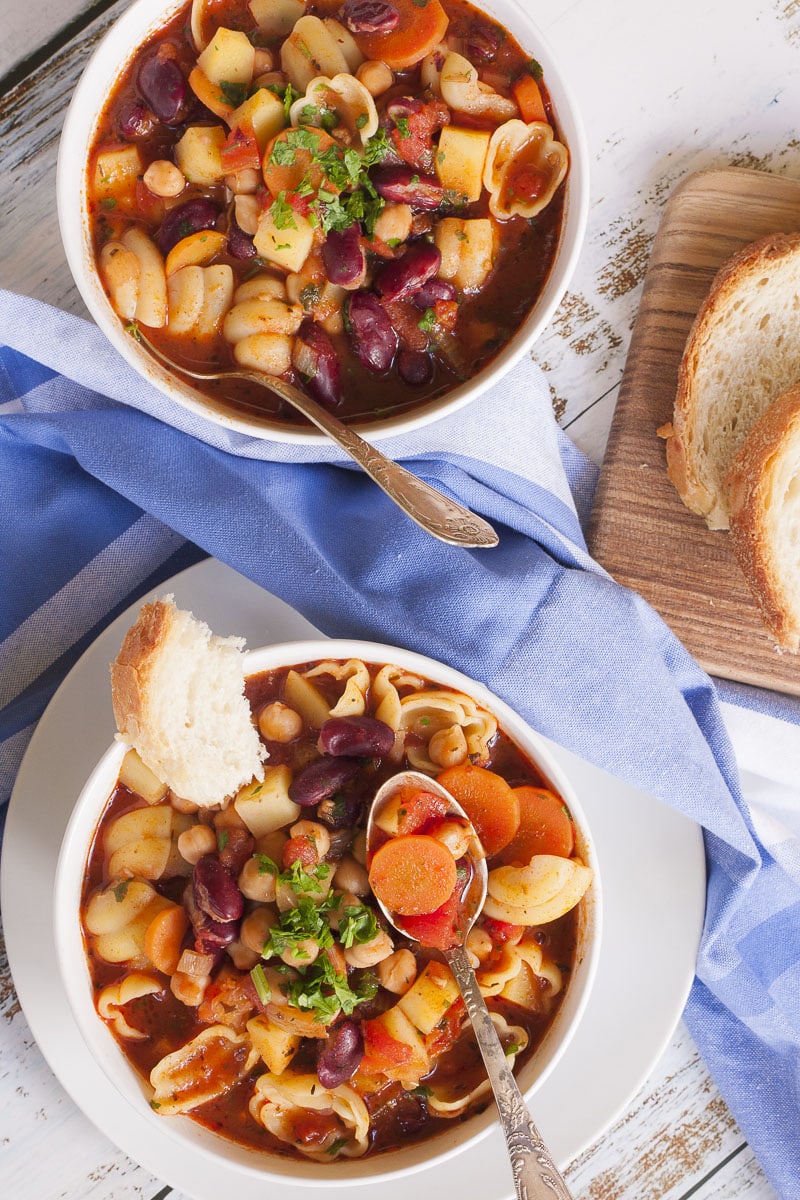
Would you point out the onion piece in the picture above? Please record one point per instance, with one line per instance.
(194, 964)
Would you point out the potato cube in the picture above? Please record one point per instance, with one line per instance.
(429, 997)
(276, 18)
(228, 58)
(265, 112)
(138, 778)
(276, 1046)
(266, 806)
(198, 153)
(303, 696)
(287, 247)
(460, 158)
(115, 176)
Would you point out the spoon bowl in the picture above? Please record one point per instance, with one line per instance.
(536, 1177)
(436, 513)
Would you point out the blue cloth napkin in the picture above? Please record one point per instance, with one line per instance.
(101, 500)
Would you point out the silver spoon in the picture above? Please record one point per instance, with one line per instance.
(445, 519)
(536, 1176)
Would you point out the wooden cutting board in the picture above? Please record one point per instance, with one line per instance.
(640, 530)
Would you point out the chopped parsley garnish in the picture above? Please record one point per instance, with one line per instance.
(427, 321)
(512, 1048)
(266, 865)
(402, 127)
(296, 925)
(323, 991)
(302, 880)
(121, 891)
(336, 1146)
(535, 69)
(358, 924)
(222, 839)
(361, 120)
(234, 93)
(282, 212)
(283, 155)
(288, 95)
(263, 990)
(133, 329)
(108, 202)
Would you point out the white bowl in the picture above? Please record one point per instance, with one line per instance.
(146, 17)
(190, 1138)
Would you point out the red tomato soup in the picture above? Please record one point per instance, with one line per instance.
(239, 956)
(365, 198)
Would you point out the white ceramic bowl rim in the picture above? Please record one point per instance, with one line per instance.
(144, 18)
(192, 1138)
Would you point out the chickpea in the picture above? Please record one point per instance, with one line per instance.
(375, 76)
(195, 843)
(359, 847)
(270, 79)
(350, 876)
(454, 834)
(256, 926)
(263, 61)
(248, 214)
(448, 747)
(346, 900)
(164, 179)
(397, 972)
(243, 958)
(279, 723)
(244, 182)
(303, 954)
(369, 953)
(189, 989)
(394, 223)
(317, 833)
(255, 882)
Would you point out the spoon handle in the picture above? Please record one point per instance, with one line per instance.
(444, 518)
(536, 1176)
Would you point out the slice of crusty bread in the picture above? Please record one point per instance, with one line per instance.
(742, 352)
(764, 496)
(178, 695)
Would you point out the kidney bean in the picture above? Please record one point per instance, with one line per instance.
(369, 16)
(321, 779)
(210, 937)
(135, 120)
(315, 357)
(344, 257)
(404, 185)
(161, 83)
(339, 813)
(435, 289)
(483, 42)
(340, 1056)
(373, 335)
(399, 278)
(185, 219)
(403, 106)
(240, 244)
(341, 839)
(360, 737)
(235, 849)
(215, 890)
(415, 367)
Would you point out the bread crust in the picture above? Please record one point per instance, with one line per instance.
(132, 668)
(681, 462)
(749, 485)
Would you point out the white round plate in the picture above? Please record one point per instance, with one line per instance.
(653, 889)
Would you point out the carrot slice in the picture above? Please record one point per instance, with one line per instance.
(421, 28)
(489, 802)
(545, 827)
(164, 937)
(413, 874)
(529, 99)
(210, 94)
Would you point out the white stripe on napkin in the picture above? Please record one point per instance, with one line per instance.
(74, 610)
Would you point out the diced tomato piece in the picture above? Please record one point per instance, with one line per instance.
(413, 136)
(240, 150)
(502, 931)
(440, 929)
(302, 850)
(443, 1035)
(150, 206)
(526, 182)
(418, 809)
(446, 313)
(382, 1052)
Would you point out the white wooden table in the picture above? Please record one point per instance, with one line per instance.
(665, 89)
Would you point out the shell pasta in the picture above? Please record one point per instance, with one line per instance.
(238, 953)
